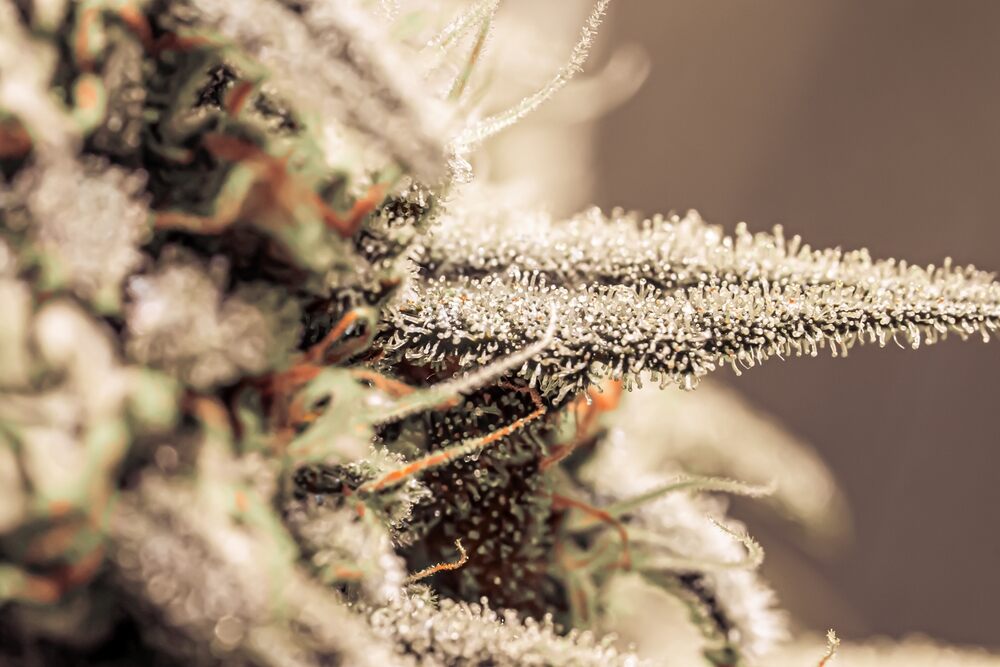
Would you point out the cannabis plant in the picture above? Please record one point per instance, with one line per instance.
(285, 379)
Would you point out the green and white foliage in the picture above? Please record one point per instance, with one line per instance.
(671, 299)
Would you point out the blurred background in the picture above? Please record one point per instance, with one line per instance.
(852, 123)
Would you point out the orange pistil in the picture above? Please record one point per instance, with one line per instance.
(15, 142)
(209, 410)
(81, 46)
(42, 590)
(174, 42)
(309, 366)
(398, 475)
(361, 208)
(50, 588)
(342, 573)
(271, 190)
(54, 542)
(560, 502)
(587, 413)
(137, 23)
(236, 98)
(274, 190)
(435, 459)
(317, 352)
(241, 501)
(82, 571)
(281, 384)
(58, 508)
(393, 388)
(440, 567)
(234, 149)
(86, 92)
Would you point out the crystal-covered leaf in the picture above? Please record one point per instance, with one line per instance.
(715, 431)
(672, 298)
(453, 633)
(678, 546)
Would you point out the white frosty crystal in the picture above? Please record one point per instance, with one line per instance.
(89, 221)
(179, 319)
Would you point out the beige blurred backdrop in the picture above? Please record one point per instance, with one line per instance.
(858, 123)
